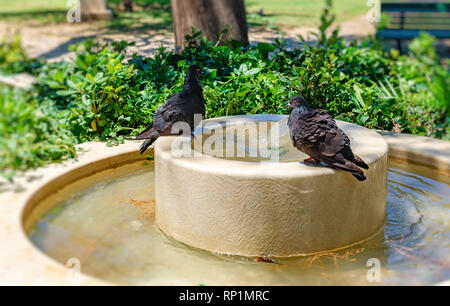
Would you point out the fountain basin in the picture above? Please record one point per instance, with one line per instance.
(261, 207)
(23, 263)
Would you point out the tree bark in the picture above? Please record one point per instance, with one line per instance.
(211, 17)
(128, 5)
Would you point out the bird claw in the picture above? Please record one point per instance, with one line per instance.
(311, 160)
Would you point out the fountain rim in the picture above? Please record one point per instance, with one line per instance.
(23, 263)
(202, 163)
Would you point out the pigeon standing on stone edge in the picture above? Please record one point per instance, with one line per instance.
(315, 133)
(179, 107)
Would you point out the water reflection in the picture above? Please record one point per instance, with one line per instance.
(106, 221)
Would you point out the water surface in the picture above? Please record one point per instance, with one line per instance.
(107, 222)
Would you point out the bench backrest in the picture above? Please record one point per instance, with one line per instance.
(417, 16)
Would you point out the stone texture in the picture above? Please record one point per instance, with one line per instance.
(427, 151)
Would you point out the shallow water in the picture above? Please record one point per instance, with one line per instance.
(107, 222)
(255, 141)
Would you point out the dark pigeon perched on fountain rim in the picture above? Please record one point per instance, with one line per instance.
(179, 107)
(315, 133)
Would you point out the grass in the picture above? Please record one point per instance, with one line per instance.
(155, 14)
(45, 11)
(147, 15)
(8, 6)
(295, 13)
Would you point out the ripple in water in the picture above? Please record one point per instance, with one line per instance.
(107, 222)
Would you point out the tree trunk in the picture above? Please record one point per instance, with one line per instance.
(128, 5)
(211, 17)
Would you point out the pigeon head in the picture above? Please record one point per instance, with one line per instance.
(298, 101)
(192, 80)
(195, 70)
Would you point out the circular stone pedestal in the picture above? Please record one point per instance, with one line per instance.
(261, 204)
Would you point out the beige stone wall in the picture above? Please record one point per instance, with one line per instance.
(276, 209)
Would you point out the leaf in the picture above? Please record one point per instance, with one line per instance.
(81, 64)
(252, 71)
(265, 49)
(65, 93)
(94, 125)
(90, 78)
(110, 68)
(358, 96)
(54, 85)
(211, 73)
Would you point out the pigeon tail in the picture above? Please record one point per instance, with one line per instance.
(146, 134)
(147, 143)
(150, 135)
(359, 176)
(350, 167)
(359, 162)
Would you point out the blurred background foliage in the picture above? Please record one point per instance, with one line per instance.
(155, 14)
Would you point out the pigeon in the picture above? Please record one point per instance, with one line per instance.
(315, 133)
(179, 107)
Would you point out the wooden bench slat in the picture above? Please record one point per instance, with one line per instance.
(436, 18)
(408, 34)
(409, 19)
(425, 22)
(418, 14)
(415, 7)
(418, 27)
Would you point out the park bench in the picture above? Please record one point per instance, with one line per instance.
(408, 19)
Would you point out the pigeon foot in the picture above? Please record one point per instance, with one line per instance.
(311, 160)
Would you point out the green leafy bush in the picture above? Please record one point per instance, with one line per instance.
(102, 95)
(31, 134)
(13, 58)
(95, 93)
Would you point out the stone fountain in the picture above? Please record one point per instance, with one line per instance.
(240, 192)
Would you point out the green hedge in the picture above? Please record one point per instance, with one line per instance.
(102, 96)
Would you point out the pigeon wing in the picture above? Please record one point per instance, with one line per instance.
(164, 120)
(145, 134)
(318, 131)
(332, 139)
(167, 114)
